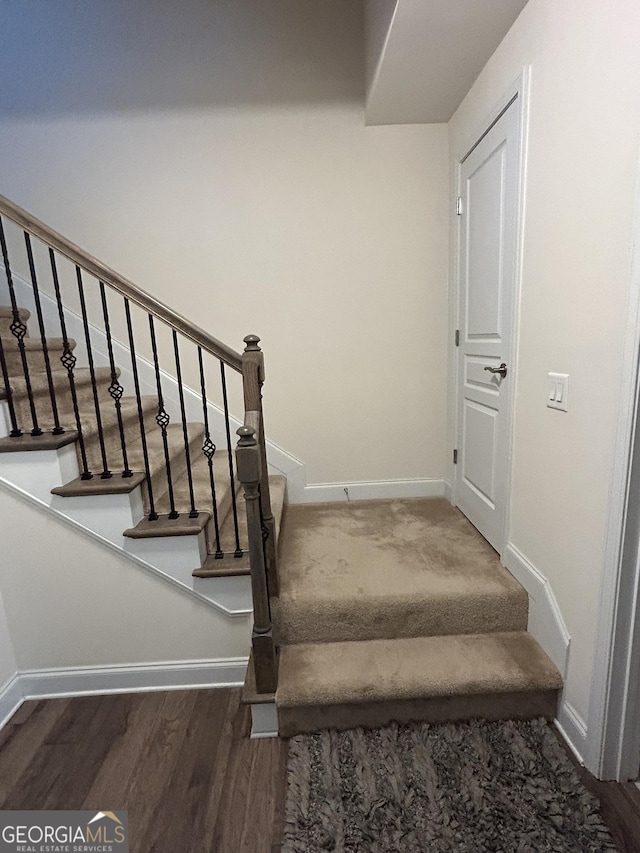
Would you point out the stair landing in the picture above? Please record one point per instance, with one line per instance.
(391, 568)
(400, 610)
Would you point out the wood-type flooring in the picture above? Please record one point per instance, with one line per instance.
(182, 764)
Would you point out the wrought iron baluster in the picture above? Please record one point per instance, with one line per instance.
(209, 449)
(185, 433)
(115, 388)
(153, 515)
(106, 473)
(69, 360)
(57, 429)
(19, 331)
(234, 503)
(15, 432)
(163, 419)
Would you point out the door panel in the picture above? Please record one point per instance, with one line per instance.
(487, 263)
(484, 249)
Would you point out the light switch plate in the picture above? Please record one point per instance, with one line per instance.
(558, 394)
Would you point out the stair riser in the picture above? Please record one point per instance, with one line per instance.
(5, 331)
(111, 436)
(497, 706)
(35, 360)
(64, 402)
(178, 463)
(334, 622)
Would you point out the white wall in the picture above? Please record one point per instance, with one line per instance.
(71, 602)
(216, 154)
(582, 165)
(8, 664)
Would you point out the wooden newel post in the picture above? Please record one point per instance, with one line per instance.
(253, 374)
(264, 652)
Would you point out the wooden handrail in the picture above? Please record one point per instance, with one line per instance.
(122, 285)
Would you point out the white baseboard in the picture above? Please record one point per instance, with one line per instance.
(573, 729)
(367, 491)
(10, 698)
(125, 678)
(448, 491)
(548, 628)
(133, 678)
(546, 624)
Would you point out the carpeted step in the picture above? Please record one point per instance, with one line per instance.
(34, 354)
(229, 564)
(6, 319)
(201, 485)
(111, 432)
(157, 461)
(64, 401)
(435, 679)
(387, 569)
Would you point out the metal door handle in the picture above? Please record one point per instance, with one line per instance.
(502, 370)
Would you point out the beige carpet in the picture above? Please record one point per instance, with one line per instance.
(387, 569)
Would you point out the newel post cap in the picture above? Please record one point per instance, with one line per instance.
(247, 436)
(252, 342)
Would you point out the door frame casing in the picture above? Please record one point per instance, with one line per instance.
(518, 92)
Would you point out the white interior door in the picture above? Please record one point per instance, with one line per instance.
(488, 207)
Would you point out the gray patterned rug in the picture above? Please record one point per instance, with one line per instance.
(504, 787)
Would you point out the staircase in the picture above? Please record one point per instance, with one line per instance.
(98, 423)
(400, 610)
(118, 410)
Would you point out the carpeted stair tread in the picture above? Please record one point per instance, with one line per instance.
(201, 485)
(33, 352)
(390, 568)
(7, 311)
(277, 490)
(10, 343)
(60, 378)
(412, 668)
(111, 432)
(6, 319)
(230, 565)
(177, 458)
(431, 678)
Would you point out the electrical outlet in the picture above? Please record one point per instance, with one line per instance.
(558, 391)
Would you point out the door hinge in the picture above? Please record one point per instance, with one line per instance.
(457, 337)
(459, 205)
(455, 457)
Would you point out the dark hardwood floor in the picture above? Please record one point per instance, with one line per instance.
(619, 805)
(183, 766)
(181, 763)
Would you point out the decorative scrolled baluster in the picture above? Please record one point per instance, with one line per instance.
(57, 428)
(153, 515)
(106, 473)
(68, 361)
(163, 419)
(115, 389)
(209, 449)
(193, 513)
(19, 331)
(232, 477)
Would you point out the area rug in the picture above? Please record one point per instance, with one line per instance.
(504, 787)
